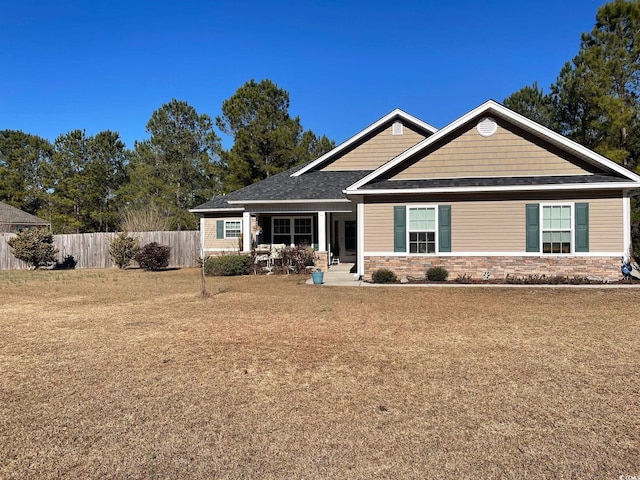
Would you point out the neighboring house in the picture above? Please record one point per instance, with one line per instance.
(491, 192)
(12, 219)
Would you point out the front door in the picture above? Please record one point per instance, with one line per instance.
(344, 236)
(350, 240)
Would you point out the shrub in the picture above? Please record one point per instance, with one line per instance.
(466, 278)
(227, 265)
(295, 259)
(69, 263)
(123, 249)
(384, 275)
(34, 246)
(153, 256)
(437, 274)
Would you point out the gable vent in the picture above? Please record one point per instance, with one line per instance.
(397, 128)
(487, 127)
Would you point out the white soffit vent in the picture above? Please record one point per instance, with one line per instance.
(487, 127)
(397, 128)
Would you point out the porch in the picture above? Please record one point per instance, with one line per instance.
(331, 233)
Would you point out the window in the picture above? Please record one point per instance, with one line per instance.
(232, 228)
(282, 230)
(293, 230)
(302, 231)
(422, 230)
(556, 229)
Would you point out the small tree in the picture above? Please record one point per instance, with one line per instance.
(153, 256)
(34, 246)
(123, 249)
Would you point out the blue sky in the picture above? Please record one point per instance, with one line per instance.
(110, 64)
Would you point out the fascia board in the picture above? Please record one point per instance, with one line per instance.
(576, 186)
(492, 106)
(213, 210)
(395, 113)
(315, 200)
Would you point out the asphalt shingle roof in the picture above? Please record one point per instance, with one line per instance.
(490, 182)
(315, 185)
(14, 216)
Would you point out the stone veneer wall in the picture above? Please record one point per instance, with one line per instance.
(605, 268)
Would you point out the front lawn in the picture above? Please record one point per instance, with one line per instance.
(129, 374)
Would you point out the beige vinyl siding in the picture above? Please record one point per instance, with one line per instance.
(378, 227)
(496, 226)
(505, 153)
(376, 151)
(211, 241)
(605, 225)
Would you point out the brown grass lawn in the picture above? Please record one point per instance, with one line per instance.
(126, 374)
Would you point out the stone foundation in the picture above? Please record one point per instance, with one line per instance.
(605, 268)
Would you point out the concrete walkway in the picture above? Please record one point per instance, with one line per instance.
(339, 275)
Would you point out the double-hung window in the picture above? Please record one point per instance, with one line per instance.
(422, 229)
(556, 229)
(293, 230)
(232, 228)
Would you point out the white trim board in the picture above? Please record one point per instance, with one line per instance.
(491, 254)
(510, 188)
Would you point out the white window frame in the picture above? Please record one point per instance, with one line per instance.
(408, 224)
(226, 229)
(292, 228)
(571, 229)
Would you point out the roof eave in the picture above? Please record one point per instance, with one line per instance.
(302, 200)
(510, 188)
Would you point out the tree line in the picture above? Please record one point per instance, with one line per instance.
(595, 99)
(87, 183)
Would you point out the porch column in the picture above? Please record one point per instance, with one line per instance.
(322, 231)
(246, 232)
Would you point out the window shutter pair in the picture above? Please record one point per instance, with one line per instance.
(581, 227)
(400, 228)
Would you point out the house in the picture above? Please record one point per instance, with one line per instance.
(12, 219)
(491, 192)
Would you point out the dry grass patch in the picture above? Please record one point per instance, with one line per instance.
(129, 374)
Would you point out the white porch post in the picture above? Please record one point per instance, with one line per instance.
(360, 235)
(322, 231)
(246, 232)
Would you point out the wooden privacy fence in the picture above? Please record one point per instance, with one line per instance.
(91, 250)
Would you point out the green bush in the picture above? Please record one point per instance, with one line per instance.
(34, 246)
(153, 256)
(437, 274)
(123, 249)
(227, 265)
(384, 275)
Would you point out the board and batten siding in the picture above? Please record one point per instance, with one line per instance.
(210, 235)
(376, 151)
(505, 153)
(496, 226)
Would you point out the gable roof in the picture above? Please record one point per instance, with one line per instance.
(389, 118)
(14, 216)
(620, 176)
